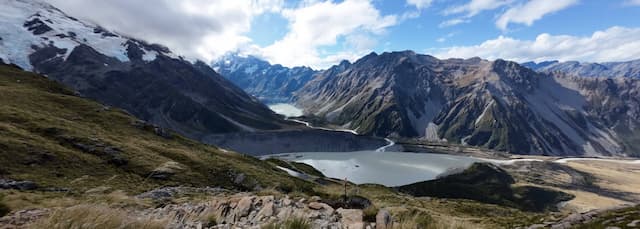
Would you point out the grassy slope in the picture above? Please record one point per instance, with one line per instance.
(488, 184)
(42, 125)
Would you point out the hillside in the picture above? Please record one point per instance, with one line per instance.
(147, 80)
(61, 141)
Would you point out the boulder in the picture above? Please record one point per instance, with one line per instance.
(19, 185)
(166, 170)
(244, 206)
(351, 218)
(383, 220)
(325, 209)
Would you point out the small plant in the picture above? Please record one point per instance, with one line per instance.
(293, 223)
(370, 213)
(297, 223)
(210, 220)
(4, 209)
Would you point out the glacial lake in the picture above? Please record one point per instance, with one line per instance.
(286, 109)
(386, 168)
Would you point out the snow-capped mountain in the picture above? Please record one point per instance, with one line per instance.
(145, 79)
(494, 104)
(629, 69)
(270, 83)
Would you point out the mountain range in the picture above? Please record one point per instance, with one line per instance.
(494, 104)
(499, 105)
(608, 69)
(147, 80)
(269, 83)
(566, 108)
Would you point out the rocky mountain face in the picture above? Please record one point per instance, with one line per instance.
(493, 104)
(610, 69)
(147, 80)
(270, 83)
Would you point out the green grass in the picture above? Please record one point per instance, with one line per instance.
(293, 223)
(44, 127)
(4, 209)
(619, 218)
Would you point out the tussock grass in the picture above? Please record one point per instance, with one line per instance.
(95, 216)
(4, 209)
(292, 223)
(44, 131)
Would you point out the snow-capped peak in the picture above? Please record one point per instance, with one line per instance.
(28, 25)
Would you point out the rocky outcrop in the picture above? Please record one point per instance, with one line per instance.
(617, 217)
(251, 211)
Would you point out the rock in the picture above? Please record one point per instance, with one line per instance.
(322, 207)
(166, 170)
(315, 199)
(239, 178)
(19, 185)
(536, 226)
(244, 206)
(22, 218)
(634, 223)
(266, 211)
(383, 220)
(285, 212)
(170, 192)
(286, 201)
(351, 218)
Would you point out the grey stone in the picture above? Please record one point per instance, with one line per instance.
(383, 220)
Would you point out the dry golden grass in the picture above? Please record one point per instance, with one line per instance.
(95, 216)
(613, 176)
(423, 221)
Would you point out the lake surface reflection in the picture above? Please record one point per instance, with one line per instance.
(386, 168)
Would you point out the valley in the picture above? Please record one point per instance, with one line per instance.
(102, 128)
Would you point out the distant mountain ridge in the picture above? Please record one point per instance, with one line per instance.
(494, 104)
(145, 79)
(270, 83)
(629, 69)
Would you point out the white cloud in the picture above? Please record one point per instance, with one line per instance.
(476, 6)
(445, 37)
(612, 44)
(420, 4)
(633, 2)
(452, 22)
(532, 11)
(194, 28)
(320, 25)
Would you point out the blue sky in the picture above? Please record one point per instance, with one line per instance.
(320, 33)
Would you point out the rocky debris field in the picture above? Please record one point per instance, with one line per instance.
(223, 209)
